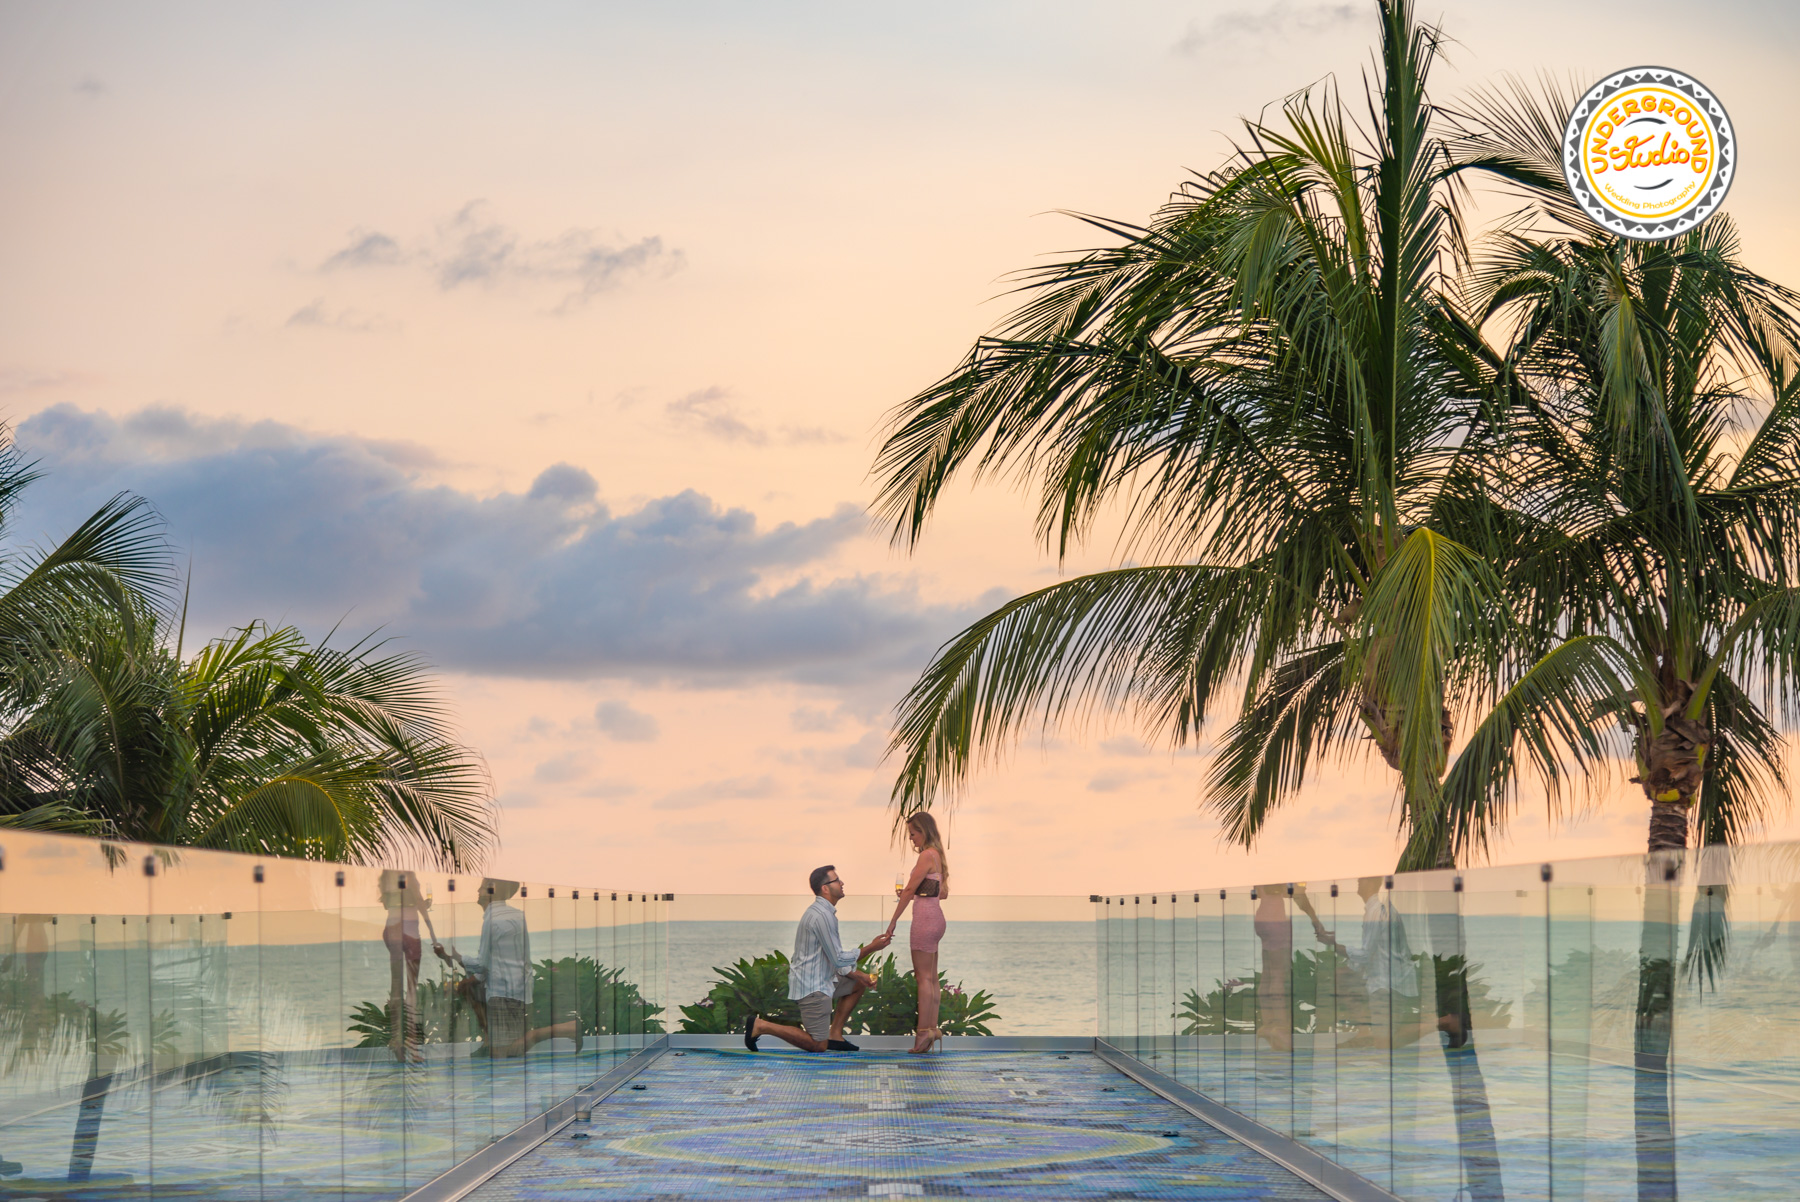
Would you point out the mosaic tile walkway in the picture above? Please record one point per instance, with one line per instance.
(710, 1126)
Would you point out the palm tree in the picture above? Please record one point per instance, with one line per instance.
(1660, 462)
(1661, 465)
(260, 742)
(114, 564)
(1274, 385)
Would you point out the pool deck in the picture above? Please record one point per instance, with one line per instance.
(703, 1125)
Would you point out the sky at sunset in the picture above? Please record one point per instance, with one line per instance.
(554, 340)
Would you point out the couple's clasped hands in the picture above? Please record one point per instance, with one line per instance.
(869, 949)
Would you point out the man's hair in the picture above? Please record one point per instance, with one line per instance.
(817, 879)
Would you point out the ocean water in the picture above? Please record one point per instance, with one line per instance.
(1039, 974)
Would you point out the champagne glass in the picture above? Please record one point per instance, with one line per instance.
(899, 884)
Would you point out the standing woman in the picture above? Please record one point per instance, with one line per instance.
(928, 884)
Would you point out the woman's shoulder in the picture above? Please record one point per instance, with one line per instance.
(930, 858)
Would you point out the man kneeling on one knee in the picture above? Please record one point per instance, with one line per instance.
(822, 976)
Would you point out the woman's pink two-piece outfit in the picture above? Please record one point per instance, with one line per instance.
(928, 915)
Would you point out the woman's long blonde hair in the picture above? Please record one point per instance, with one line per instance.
(927, 826)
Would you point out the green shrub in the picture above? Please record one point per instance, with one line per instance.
(748, 987)
(608, 1005)
(760, 986)
(1230, 1007)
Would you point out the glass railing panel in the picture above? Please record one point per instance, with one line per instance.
(433, 1060)
(1313, 990)
(1274, 1045)
(369, 1020)
(1341, 1001)
(1202, 1011)
(1154, 968)
(534, 1056)
(1501, 1080)
(607, 951)
(1184, 931)
(1735, 1060)
(579, 920)
(1162, 912)
(1367, 981)
(1427, 931)
(1143, 976)
(1102, 968)
(659, 954)
(1120, 968)
(635, 960)
(447, 1026)
(1234, 998)
(115, 1111)
(543, 1049)
(70, 1105)
(206, 1094)
(631, 960)
(1609, 928)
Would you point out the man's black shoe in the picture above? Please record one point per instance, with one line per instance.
(750, 1035)
(841, 1045)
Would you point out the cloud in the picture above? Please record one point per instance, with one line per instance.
(624, 724)
(366, 249)
(867, 752)
(315, 317)
(807, 718)
(608, 789)
(709, 411)
(1281, 19)
(91, 86)
(560, 770)
(1113, 781)
(471, 247)
(731, 789)
(549, 583)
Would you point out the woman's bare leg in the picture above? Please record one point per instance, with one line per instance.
(397, 1009)
(925, 974)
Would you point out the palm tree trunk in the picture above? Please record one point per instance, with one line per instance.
(1423, 850)
(1653, 1038)
(1671, 765)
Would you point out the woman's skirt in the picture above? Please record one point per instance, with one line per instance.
(927, 924)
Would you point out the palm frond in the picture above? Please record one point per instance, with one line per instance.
(1554, 724)
(1154, 643)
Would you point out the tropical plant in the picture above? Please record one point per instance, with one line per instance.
(892, 1006)
(742, 990)
(1274, 384)
(607, 1003)
(113, 565)
(260, 742)
(1318, 982)
(1657, 472)
(760, 986)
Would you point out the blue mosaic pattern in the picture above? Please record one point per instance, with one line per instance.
(713, 1125)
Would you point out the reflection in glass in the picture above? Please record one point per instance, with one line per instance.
(178, 1022)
